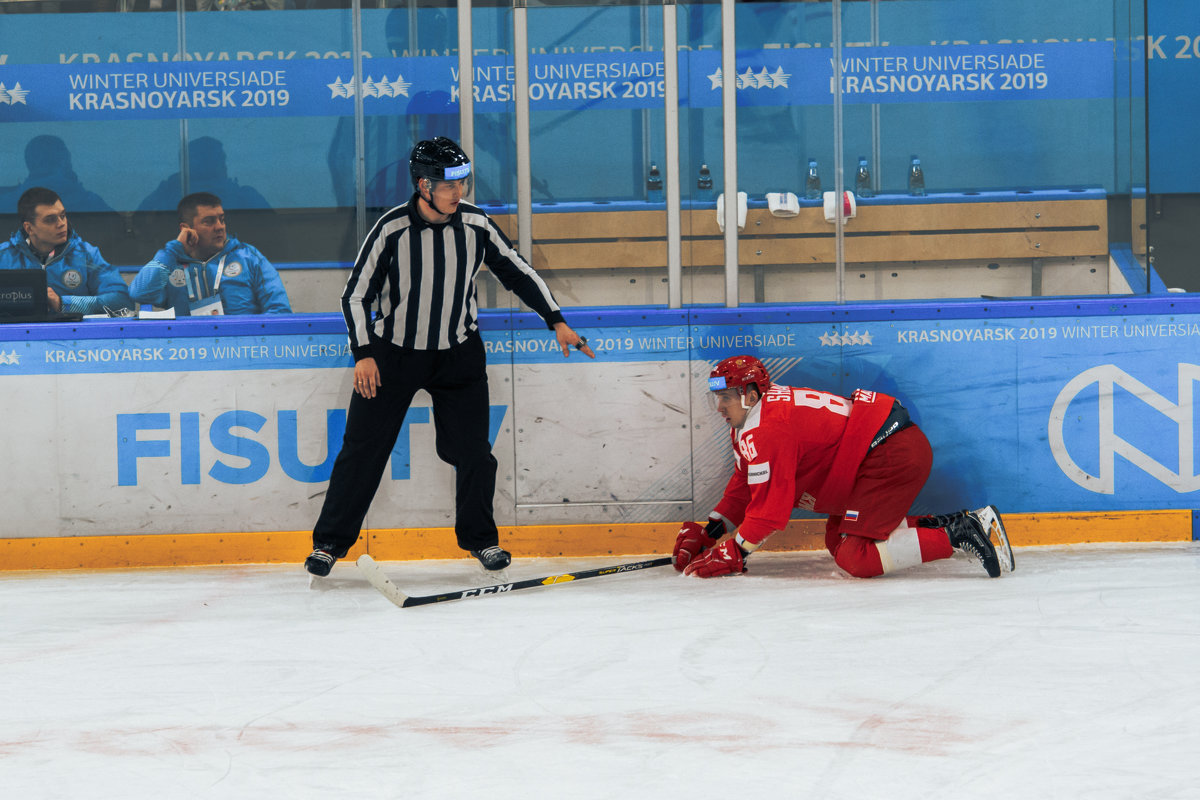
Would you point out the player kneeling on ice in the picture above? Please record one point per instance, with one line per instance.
(860, 460)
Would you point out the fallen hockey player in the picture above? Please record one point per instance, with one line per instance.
(860, 460)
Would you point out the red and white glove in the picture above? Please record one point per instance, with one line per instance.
(692, 540)
(727, 558)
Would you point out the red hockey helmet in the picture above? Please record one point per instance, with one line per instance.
(738, 372)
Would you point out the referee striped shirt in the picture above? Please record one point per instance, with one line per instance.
(413, 282)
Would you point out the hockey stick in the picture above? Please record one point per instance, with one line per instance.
(375, 576)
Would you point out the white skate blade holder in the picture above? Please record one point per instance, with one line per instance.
(742, 200)
(993, 528)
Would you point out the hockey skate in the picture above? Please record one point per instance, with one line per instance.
(320, 561)
(993, 528)
(968, 534)
(494, 560)
(940, 520)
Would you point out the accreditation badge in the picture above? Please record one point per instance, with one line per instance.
(208, 307)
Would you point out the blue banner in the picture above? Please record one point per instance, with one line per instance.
(930, 74)
(190, 89)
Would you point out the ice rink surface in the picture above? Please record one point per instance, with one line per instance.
(1074, 677)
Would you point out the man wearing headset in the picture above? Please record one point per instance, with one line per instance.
(411, 313)
(861, 460)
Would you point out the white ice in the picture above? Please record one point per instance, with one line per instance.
(1074, 677)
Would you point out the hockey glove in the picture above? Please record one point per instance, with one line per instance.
(727, 558)
(692, 540)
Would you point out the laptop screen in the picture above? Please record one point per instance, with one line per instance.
(22, 294)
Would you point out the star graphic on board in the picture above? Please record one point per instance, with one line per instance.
(339, 89)
(835, 340)
(10, 357)
(399, 86)
(14, 95)
(370, 87)
(763, 79)
(779, 78)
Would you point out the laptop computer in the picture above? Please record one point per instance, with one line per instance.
(23, 298)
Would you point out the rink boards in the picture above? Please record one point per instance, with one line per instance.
(208, 442)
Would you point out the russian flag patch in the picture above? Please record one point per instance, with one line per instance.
(851, 516)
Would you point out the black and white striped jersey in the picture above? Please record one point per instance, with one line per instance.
(413, 282)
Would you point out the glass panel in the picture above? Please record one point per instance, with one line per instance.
(282, 160)
(413, 42)
(701, 148)
(995, 143)
(598, 152)
(785, 130)
(1034, 167)
(1172, 62)
(132, 111)
(495, 152)
(1128, 218)
(413, 46)
(1134, 64)
(67, 124)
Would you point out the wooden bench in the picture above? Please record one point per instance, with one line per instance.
(983, 227)
(899, 247)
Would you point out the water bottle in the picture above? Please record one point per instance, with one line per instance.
(704, 186)
(916, 178)
(862, 179)
(654, 186)
(812, 182)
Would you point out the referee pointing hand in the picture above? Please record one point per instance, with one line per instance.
(412, 317)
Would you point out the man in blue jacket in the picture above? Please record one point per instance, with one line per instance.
(205, 271)
(78, 279)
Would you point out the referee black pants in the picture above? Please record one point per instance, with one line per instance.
(456, 379)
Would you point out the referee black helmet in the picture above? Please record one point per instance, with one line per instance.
(439, 159)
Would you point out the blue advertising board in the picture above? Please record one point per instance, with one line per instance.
(1057, 406)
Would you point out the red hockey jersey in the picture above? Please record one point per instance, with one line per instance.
(799, 448)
